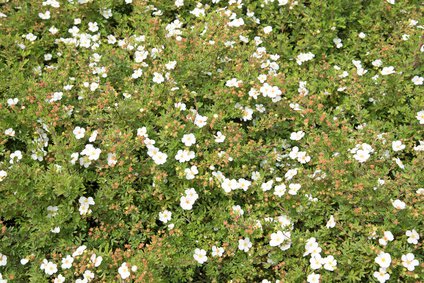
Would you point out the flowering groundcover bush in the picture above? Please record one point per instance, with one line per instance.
(211, 141)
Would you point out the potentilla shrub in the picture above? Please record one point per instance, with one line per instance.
(211, 141)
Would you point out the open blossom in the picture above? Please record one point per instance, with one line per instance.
(67, 262)
(388, 70)
(296, 136)
(124, 271)
(184, 155)
(381, 275)
(388, 237)
(313, 278)
(329, 263)
(233, 83)
(3, 174)
(200, 120)
(303, 57)
(50, 268)
(420, 117)
(189, 140)
(165, 216)
(200, 256)
(417, 80)
(91, 152)
(409, 261)
(219, 137)
(3, 260)
(278, 238)
(331, 222)
(397, 145)
(190, 173)
(245, 244)
(413, 236)
(383, 259)
(217, 252)
(398, 204)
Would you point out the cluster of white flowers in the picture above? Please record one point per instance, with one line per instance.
(158, 157)
(85, 205)
(187, 200)
(362, 152)
(317, 261)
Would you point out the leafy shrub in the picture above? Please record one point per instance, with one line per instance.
(212, 141)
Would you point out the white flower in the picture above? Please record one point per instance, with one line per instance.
(12, 101)
(217, 252)
(383, 259)
(93, 27)
(31, 37)
(388, 70)
(44, 16)
(409, 261)
(294, 188)
(280, 190)
(296, 136)
(107, 13)
(179, 3)
(97, 260)
(331, 223)
(55, 230)
(418, 80)
(200, 255)
(397, 145)
(362, 155)
(124, 271)
(93, 136)
(303, 57)
(158, 78)
(67, 262)
(9, 132)
(50, 268)
(282, 2)
(338, 42)
(398, 204)
(236, 22)
(79, 132)
(79, 251)
(191, 172)
(3, 260)
(316, 261)
(420, 117)
(381, 275)
(111, 159)
(15, 155)
(388, 237)
(313, 278)
(413, 236)
(189, 140)
(184, 155)
(362, 35)
(329, 263)
(219, 137)
(244, 244)
(91, 152)
(267, 29)
(267, 186)
(391, 2)
(137, 73)
(200, 120)
(377, 63)
(233, 83)
(238, 210)
(186, 203)
(58, 279)
(278, 238)
(165, 216)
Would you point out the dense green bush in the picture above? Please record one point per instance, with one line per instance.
(211, 141)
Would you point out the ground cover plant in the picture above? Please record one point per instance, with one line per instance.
(211, 141)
